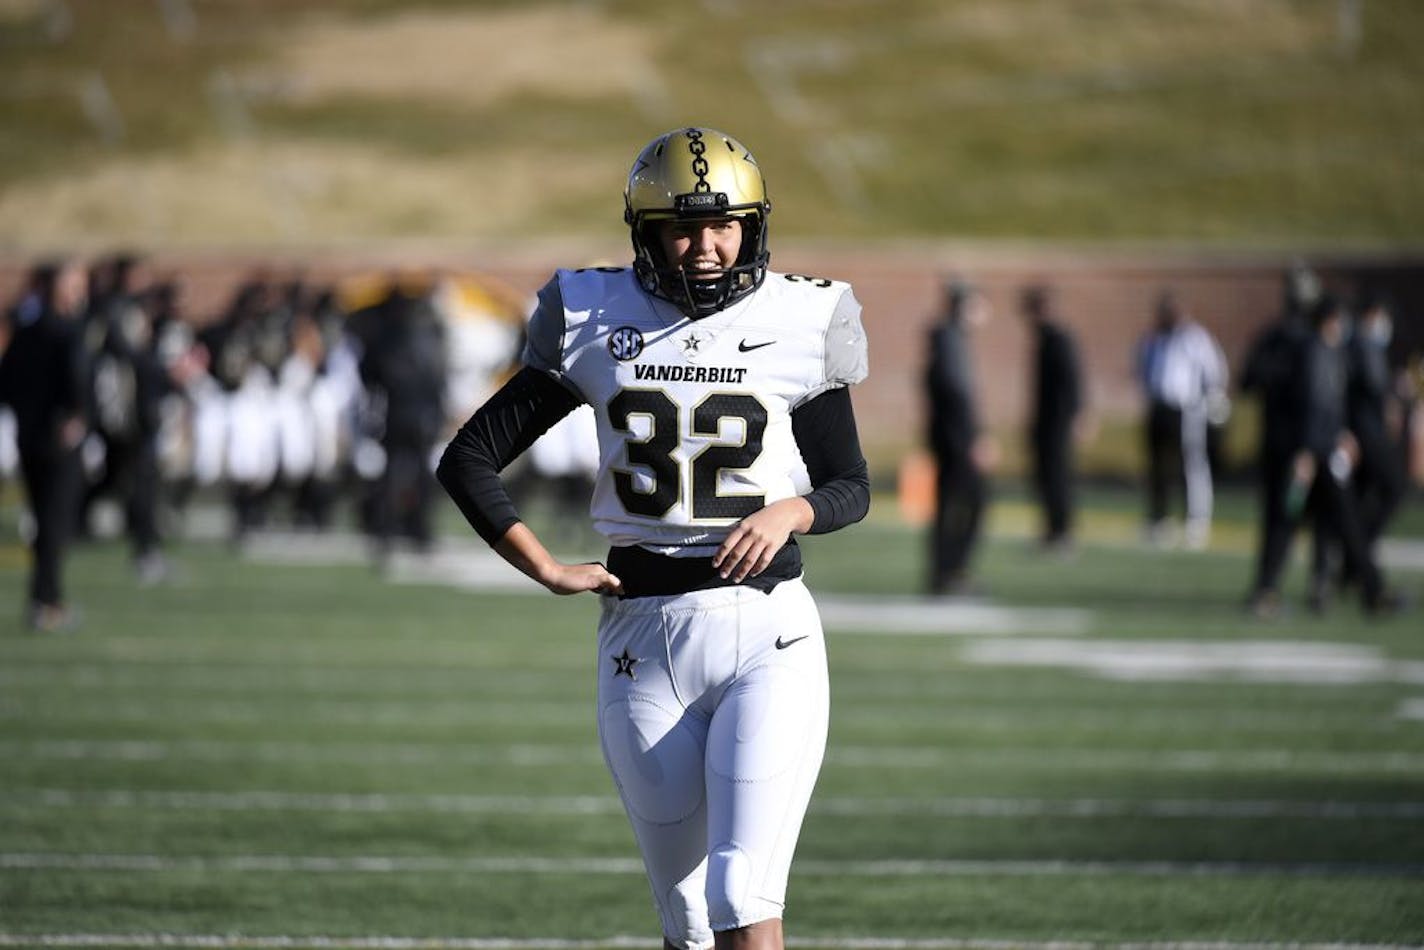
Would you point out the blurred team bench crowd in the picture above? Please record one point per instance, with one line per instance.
(266, 390)
(286, 396)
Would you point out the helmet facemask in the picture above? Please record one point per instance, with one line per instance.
(700, 294)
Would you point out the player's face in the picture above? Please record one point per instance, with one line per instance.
(977, 310)
(70, 290)
(706, 246)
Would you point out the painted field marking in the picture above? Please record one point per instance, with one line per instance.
(620, 942)
(574, 715)
(919, 616)
(1256, 661)
(238, 942)
(531, 755)
(386, 864)
(854, 807)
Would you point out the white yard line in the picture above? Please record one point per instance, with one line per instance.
(533, 755)
(480, 712)
(839, 942)
(387, 864)
(919, 616)
(1252, 661)
(842, 806)
(1402, 554)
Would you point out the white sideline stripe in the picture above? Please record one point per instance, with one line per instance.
(1252, 661)
(144, 750)
(1402, 554)
(850, 756)
(86, 710)
(608, 805)
(930, 617)
(383, 864)
(239, 942)
(1172, 760)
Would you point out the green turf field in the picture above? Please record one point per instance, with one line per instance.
(282, 755)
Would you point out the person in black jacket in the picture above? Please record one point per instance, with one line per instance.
(962, 452)
(1272, 373)
(1372, 408)
(127, 384)
(42, 380)
(404, 365)
(1057, 399)
(1378, 480)
(1325, 457)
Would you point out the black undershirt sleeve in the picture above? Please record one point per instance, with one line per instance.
(499, 431)
(825, 432)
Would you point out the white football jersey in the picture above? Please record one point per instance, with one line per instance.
(694, 416)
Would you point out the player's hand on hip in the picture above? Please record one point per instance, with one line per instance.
(755, 539)
(581, 578)
(520, 547)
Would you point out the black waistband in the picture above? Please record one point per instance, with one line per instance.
(647, 574)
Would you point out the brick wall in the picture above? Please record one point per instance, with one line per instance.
(1105, 297)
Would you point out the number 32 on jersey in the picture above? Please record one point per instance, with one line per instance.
(653, 454)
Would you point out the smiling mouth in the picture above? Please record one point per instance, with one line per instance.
(703, 270)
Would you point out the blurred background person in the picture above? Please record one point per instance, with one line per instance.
(238, 441)
(563, 466)
(9, 451)
(1377, 481)
(321, 374)
(1323, 461)
(1057, 400)
(1408, 385)
(1182, 371)
(1376, 417)
(182, 360)
(403, 365)
(963, 453)
(42, 380)
(127, 385)
(1272, 373)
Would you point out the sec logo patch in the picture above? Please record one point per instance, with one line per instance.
(625, 343)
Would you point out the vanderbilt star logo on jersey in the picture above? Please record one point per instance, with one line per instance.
(624, 665)
(692, 344)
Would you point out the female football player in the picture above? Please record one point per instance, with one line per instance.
(725, 429)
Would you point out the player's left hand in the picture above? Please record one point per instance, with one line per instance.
(755, 539)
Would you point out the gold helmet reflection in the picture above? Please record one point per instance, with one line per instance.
(696, 173)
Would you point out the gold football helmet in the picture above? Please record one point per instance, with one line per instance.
(696, 173)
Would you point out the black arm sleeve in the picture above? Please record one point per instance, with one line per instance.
(825, 433)
(501, 429)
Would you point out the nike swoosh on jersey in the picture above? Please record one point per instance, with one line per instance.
(748, 347)
(783, 644)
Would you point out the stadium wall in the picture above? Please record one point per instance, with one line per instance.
(1105, 296)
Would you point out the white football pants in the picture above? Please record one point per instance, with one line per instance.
(713, 707)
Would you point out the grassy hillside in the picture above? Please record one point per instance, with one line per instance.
(218, 121)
